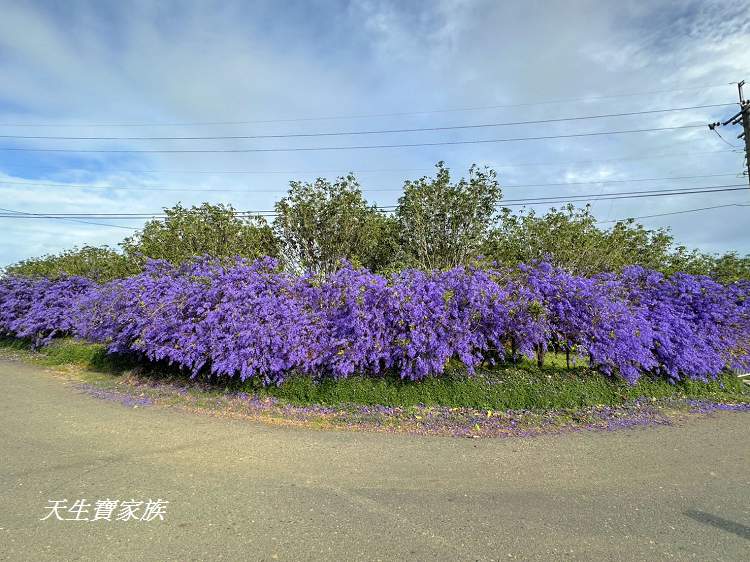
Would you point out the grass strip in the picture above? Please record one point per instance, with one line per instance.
(521, 387)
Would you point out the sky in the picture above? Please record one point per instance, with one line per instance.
(198, 69)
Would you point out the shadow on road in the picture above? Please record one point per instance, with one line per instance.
(719, 522)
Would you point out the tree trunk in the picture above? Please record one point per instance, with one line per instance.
(540, 355)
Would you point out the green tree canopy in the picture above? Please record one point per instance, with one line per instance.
(438, 224)
(208, 229)
(321, 223)
(443, 224)
(728, 268)
(98, 263)
(570, 238)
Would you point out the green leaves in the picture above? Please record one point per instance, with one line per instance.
(321, 223)
(438, 224)
(442, 224)
(569, 238)
(100, 264)
(213, 230)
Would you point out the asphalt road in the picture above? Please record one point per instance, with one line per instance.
(241, 490)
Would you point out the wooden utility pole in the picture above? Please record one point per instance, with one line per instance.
(745, 134)
(741, 117)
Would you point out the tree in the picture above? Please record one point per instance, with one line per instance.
(630, 243)
(730, 268)
(443, 224)
(100, 264)
(321, 223)
(570, 239)
(726, 268)
(214, 230)
(562, 237)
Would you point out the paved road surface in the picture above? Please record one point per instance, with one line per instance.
(244, 491)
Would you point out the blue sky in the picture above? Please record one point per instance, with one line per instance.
(86, 68)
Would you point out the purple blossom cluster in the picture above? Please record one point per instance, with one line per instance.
(250, 319)
(40, 309)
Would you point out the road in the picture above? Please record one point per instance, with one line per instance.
(241, 490)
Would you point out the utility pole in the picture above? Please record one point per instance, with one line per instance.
(741, 117)
(745, 111)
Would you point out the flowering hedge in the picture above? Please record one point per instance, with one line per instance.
(253, 320)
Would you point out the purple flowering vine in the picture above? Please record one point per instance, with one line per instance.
(251, 319)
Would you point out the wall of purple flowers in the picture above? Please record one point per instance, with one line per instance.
(254, 320)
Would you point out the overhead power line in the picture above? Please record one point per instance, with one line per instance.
(630, 180)
(582, 99)
(621, 195)
(22, 214)
(684, 211)
(742, 117)
(222, 189)
(725, 141)
(390, 208)
(340, 172)
(594, 197)
(354, 147)
(681, 212)
(368, 132)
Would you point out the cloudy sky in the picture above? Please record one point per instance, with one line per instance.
(198, 69)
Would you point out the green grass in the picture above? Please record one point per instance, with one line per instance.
(70, 351)
(525, 387)
(517, 389)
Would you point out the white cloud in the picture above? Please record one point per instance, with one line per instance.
(188, 62)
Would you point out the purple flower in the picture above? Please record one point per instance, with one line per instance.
(250, 319)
